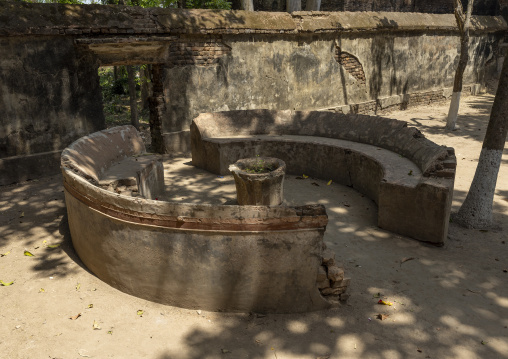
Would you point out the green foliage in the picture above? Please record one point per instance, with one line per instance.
(208, 4)
(75, 2)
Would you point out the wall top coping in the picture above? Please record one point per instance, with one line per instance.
(20, 18)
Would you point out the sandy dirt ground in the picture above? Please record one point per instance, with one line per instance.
(448, 302)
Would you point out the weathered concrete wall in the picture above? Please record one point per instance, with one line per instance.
(49, 97)
(317, 72)
(208, 61)
(480, 7)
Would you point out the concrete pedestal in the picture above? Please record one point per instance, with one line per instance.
(255, 187)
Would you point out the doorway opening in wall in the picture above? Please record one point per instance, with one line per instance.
(125, 97)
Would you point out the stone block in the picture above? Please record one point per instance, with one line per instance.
(341, 283)
(328, 257)
(321, 276)
(323, 284)
(385, 102)
(327, 291)
(335, 273)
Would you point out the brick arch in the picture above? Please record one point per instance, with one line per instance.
(351, 63)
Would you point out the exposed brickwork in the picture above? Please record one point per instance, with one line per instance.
(201, 53)
(351, 64)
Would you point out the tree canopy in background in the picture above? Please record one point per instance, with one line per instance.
(188, 4)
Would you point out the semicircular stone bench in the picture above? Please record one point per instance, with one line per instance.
(409, 177)
(211, 257)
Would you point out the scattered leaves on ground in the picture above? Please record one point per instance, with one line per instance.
(41, 290)
(74, 317)
(6, 284)
(140, 312)
(384, 302)
(110, 332)
(96, 325)
(4, 254)
(53, 245)
(382, 316)
(305, 176)
(78, 286)
(28, 254)
(90, 306)
(329, 182)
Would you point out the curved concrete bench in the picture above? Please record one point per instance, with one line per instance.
(223, 258)
(409, 177)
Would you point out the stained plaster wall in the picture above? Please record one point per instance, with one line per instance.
(284, 72)
(49, 97)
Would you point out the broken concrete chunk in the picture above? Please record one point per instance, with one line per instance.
(335, 273)
(328, 257)
(327, 291)
(321, 275)
(323, 284)
(341, 283)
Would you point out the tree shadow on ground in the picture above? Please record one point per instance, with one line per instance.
(467, 317)
(34, 218)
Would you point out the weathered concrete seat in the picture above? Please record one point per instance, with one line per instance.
(212, 257)
(409, 177)
(116, 159)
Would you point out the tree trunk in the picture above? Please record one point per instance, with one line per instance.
(463, 25)
(132, 97)
(115, 73)
(247, 5)
(313, 5)
(293, 5)
(476, 211)
(145, 90)
(457, 83)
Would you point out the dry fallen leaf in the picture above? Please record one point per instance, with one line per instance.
(384, 303)
(140, 313)
(78, 286)
(305, 176)
(406, 259)
(382, 316)
(329, 182)
(53, 245)
(74, 317)
(90, 305)
(22, 215)
(5, 284)
(41, 290)
(28, 254)
(96, 325)
(4, 254)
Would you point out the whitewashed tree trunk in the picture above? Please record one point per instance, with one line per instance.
(313, 5)
(463, 21)
(476, 211)
(293, 5)
(247, 5)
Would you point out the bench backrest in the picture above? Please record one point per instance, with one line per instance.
(382, 132)
(91, 155)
